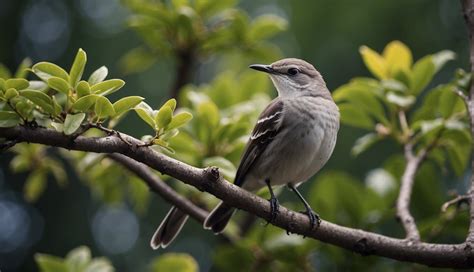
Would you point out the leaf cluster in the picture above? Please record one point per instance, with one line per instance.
(197, 29)
(400, 104)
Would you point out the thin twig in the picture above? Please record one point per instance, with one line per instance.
(457, 200)
(404, 197)
(110, 132)
(461, 94)
(210, 180)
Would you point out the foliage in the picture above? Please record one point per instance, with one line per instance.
(77, 260)
(394, 105)
(64, 102)
(197, 29)
(175, 262)
(399, 103)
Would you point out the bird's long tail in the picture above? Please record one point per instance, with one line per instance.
(219, 217)
(169, 228)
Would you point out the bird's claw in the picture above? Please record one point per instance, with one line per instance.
(314, 218)
(274, 209)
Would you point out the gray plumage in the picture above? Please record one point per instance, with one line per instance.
(294, 136)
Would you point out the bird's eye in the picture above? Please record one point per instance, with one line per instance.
(293, 71)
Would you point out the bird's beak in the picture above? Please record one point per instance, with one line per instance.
(263, 68)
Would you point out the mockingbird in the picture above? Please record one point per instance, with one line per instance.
(292, 140)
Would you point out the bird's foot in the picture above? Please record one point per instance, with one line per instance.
(274, 209)
(314, 218)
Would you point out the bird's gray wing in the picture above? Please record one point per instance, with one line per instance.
(269, 124)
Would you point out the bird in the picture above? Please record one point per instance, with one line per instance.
(293, 138)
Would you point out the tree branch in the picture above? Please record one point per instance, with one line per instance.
(404, 197)
(159, 187)
(468, 12)
(209, 180)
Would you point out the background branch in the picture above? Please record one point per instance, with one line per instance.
(160, 187)
(404, 197)
(468, 12)
(209, 180)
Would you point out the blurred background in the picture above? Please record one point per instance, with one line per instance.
(326, 33)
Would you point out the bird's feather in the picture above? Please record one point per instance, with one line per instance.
(269, 124)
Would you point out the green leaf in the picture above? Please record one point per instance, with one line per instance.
(48, 263)
(145, 112)
(423, 71)
(363, 143)
(11, 93)
(59, 85)
(208, 8)
(77, 68)
(103, 108)
(126, 104)
(35, 185)
(38, 85)
(351, 115)
(164, 145)
(73, 122)
(98, 75)
(179, 120)
(99, 265)
(83, 88)
(163, 117)
(176, 262)
(170, 133)
(398, 57)
(59, 127)
(47, 70)
(9, 119)
(78, 259)
(374, 62)
(17, 83)
(39, 98)
(170, 103)
(57, 108)
(448, 102)
(401, 100)
(458, 146)
(362, 97)
(209, 113)
(107, 87)
(24, 108)
(84, 103)
(440, 58)
(266, 26)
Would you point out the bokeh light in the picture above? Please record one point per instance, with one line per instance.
(45, 30)
(115, 229)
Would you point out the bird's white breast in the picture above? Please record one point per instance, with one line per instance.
(309, 135)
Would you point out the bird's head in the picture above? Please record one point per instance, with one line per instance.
(294, 77)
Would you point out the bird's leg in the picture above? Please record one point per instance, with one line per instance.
(274, 205)
(314, 218)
